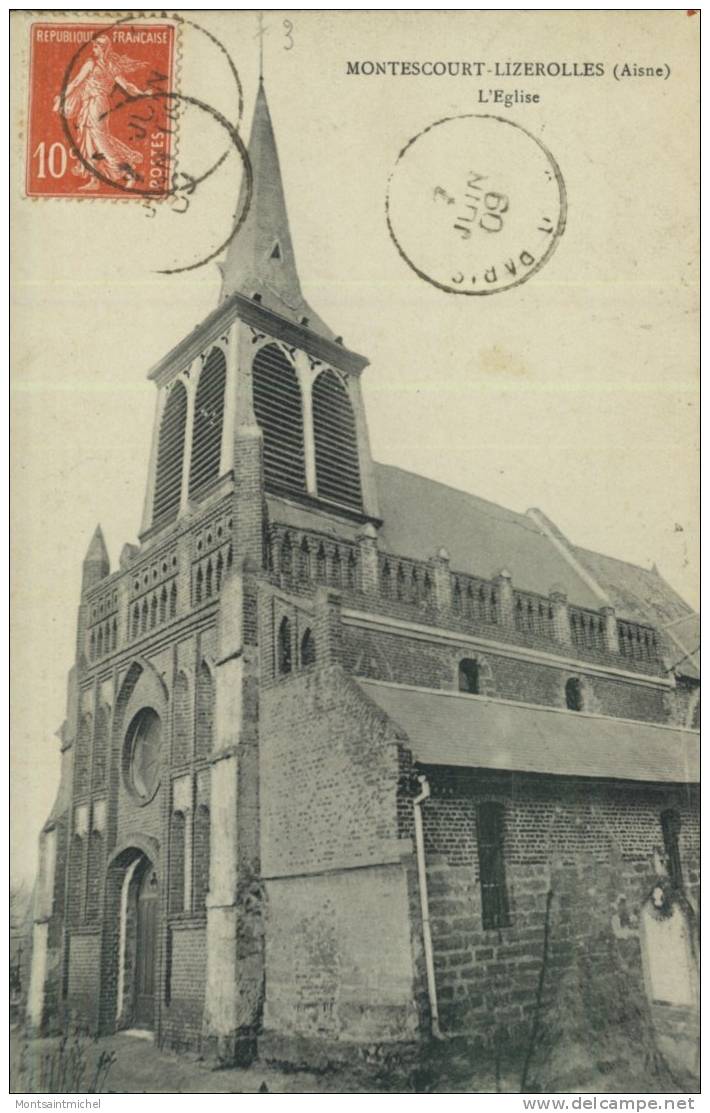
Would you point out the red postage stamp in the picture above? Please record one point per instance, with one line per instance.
(101, 117)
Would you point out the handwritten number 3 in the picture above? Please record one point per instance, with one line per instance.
(288, 28)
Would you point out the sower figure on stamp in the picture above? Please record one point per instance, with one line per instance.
(87, 105)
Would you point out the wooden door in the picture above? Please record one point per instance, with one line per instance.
(146, 936)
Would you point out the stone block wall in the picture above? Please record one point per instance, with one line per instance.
(339, 957)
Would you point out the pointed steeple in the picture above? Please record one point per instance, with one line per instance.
(260, 259)
(96, 564)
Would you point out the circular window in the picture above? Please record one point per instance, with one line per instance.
(142, 754)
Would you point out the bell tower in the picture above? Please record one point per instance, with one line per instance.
(263, 366)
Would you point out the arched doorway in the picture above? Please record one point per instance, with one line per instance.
(138, 925)
(144, 980)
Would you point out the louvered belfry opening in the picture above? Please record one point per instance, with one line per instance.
(279, 411)
(207, 426)
(171, 446)
(335, 436)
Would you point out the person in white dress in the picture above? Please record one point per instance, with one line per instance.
(87, 105)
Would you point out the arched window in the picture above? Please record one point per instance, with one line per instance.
(573, 694)
(207, 425)
(163, 605)
(182, 726)
(321, 565)
(335, 436)
(279, 411)
(670, 825)
(75, 909)
(98, 770)
(95, 875)
(82, 753)
(304, 561)
(201, 844)
(171, 446)
(205, 711)
(352, 571)
(286, 556)
(177, 862)
(284, 647)
(308, 649)
(469, 678)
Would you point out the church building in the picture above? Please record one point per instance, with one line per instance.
(353, 759)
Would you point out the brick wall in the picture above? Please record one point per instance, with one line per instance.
(329, 772)
(181, 1020)
(403, 660)
(84, 977)
(341, 951)
(591, 844)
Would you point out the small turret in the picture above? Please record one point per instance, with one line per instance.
(96, 564)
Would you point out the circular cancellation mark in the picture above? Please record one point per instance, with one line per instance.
(475, 204)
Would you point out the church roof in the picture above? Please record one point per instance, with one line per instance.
(684, 633)
(636, 593)
(260, 259)
(420, 516)
(449, 728)
(641, 594)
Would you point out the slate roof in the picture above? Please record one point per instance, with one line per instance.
(449, 728)
(685, 634)
(636, 592)
(260, 258)
(482, 538)
(642, 594)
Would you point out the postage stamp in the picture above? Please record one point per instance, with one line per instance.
(475, 204)
(101, 118)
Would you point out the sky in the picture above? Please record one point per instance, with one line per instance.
(575, 392)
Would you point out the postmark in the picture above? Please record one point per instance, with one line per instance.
(78, 144)
(476, 204)
(198, 181)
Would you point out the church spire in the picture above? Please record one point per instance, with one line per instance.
(260, 259)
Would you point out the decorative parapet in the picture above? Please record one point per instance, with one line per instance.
(305, 557)
(441, 576)
(153, 593)
(405, 580)
(369, 567)
(475, 599)
(102, 630)
(189, 572)
(431, 591)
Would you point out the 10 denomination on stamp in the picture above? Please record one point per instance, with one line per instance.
(101, 119)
